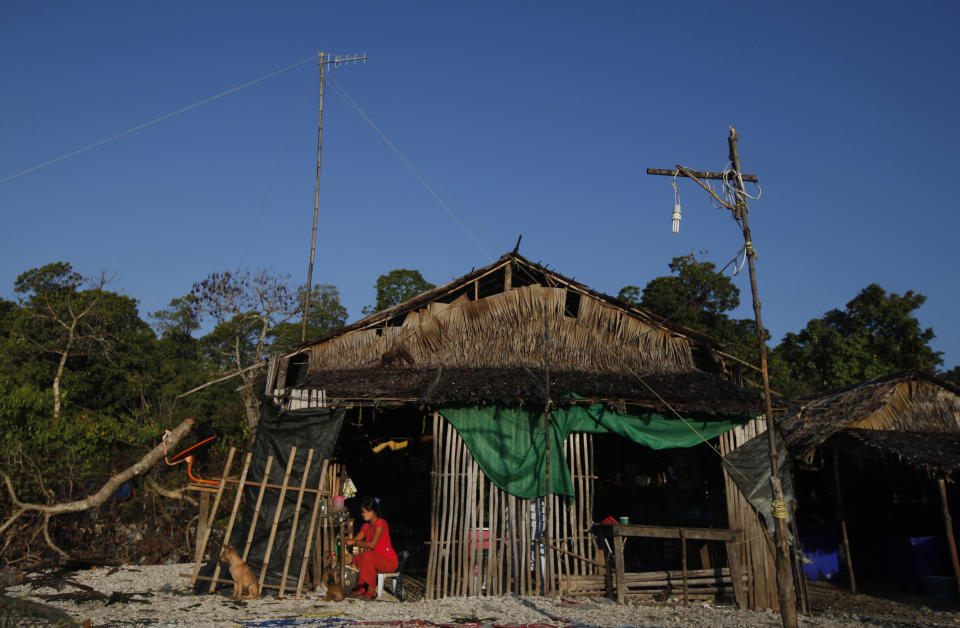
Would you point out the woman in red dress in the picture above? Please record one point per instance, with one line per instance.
(377, 554)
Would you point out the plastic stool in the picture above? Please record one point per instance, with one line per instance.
(381, 577)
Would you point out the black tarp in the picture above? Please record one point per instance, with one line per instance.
(277, 433)
(749, 466)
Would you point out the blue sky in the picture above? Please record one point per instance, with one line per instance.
(533, 118)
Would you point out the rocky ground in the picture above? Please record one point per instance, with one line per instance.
(158, 595)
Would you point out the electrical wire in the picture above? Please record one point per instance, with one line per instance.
(255, 233)
(665, 319)
(156, 120)
(408, 163)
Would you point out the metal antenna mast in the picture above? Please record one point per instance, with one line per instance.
(335, 61)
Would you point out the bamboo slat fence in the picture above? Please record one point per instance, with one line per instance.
(312, 512)
(486, 542)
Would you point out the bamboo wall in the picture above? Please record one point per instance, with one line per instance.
(484, 541)
(757, 560)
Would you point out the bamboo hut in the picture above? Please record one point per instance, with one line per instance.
(430, 384)
(875, 469)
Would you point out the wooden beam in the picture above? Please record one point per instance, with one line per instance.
(669, 532)
(752, 178)
(948, 522)
(843, 521)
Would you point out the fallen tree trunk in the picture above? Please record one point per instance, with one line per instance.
(109, 488)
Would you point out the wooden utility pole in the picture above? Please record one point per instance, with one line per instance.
(323, 61)
(785, 588)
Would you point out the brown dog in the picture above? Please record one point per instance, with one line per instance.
(243, 578)
(328, 588)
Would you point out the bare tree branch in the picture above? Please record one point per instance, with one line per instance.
(154, 486)
(108, 489)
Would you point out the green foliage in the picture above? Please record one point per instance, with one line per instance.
(326, 315)
(396, 287)
(629, 294)
(952, 376)
(698, 296)
(874, 335)
(52, 280)
(182, 319)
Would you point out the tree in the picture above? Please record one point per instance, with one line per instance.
(874, 335)
(60, 319)
(698, 296)
(182, 319)
(629, 294)
(248, 308)
(952, 376)
(326, 315)
(50, 510)
(396, 287)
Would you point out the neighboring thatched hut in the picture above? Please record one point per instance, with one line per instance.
(875, 467)
(445, 396)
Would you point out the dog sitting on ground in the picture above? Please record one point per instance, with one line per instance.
(328, 588)
(245, 584)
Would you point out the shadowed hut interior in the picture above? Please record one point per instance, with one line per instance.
(875, 466)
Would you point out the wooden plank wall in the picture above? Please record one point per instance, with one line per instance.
(484, 541)
(756, 550)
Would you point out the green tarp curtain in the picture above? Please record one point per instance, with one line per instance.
(509, 444)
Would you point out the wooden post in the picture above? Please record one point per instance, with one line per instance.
(801, 575)
(202, 525)
(948, 522)
(787, 597)
(202, 542)
(293, 527)
(736, 573)
(508, 277)
(683, 561)
(256, 508)
(843, 522)
(785, 588)
(618, 561)
(233, 517)
(318, 565)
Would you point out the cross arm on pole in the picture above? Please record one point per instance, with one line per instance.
(696, 176)
(752, 178)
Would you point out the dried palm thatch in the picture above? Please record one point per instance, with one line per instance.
(907, 402)
(508, 330)
(484, 320)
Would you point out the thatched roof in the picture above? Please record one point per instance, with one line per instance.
(910, 402)
(488, 330)
(487, 281)
(689, 393)
(933, 451)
